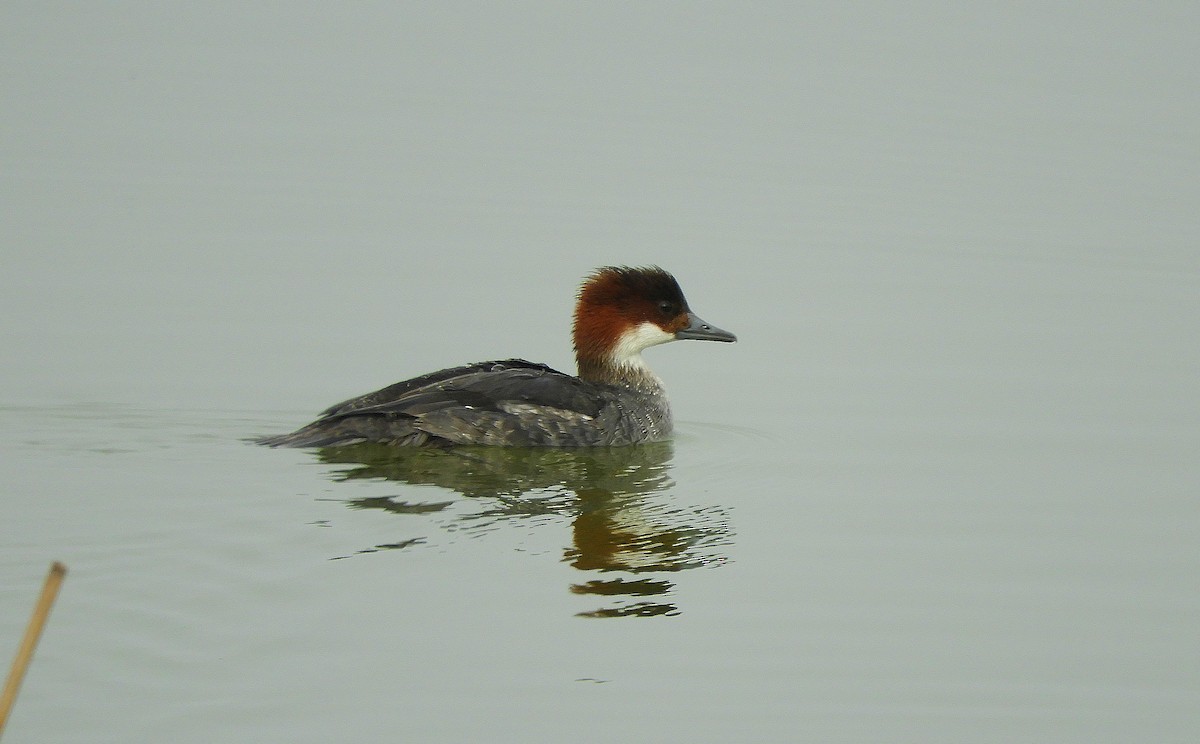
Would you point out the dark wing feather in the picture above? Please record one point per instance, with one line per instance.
(509, 402)
(397, 392)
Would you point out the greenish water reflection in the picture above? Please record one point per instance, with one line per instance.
(623, 508)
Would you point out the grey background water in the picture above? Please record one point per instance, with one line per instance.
(943, 489)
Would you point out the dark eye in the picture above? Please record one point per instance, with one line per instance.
(666, 307)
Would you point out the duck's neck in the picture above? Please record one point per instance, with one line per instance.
(631, 372)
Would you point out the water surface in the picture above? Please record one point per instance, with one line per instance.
(943, 489)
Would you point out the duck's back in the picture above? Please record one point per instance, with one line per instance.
(501, 403)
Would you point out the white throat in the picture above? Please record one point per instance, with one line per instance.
(627, 352)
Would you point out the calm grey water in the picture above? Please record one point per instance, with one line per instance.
(944, 489)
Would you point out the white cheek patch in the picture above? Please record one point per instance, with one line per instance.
(628, 350)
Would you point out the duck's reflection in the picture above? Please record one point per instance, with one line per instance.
(624, 516)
